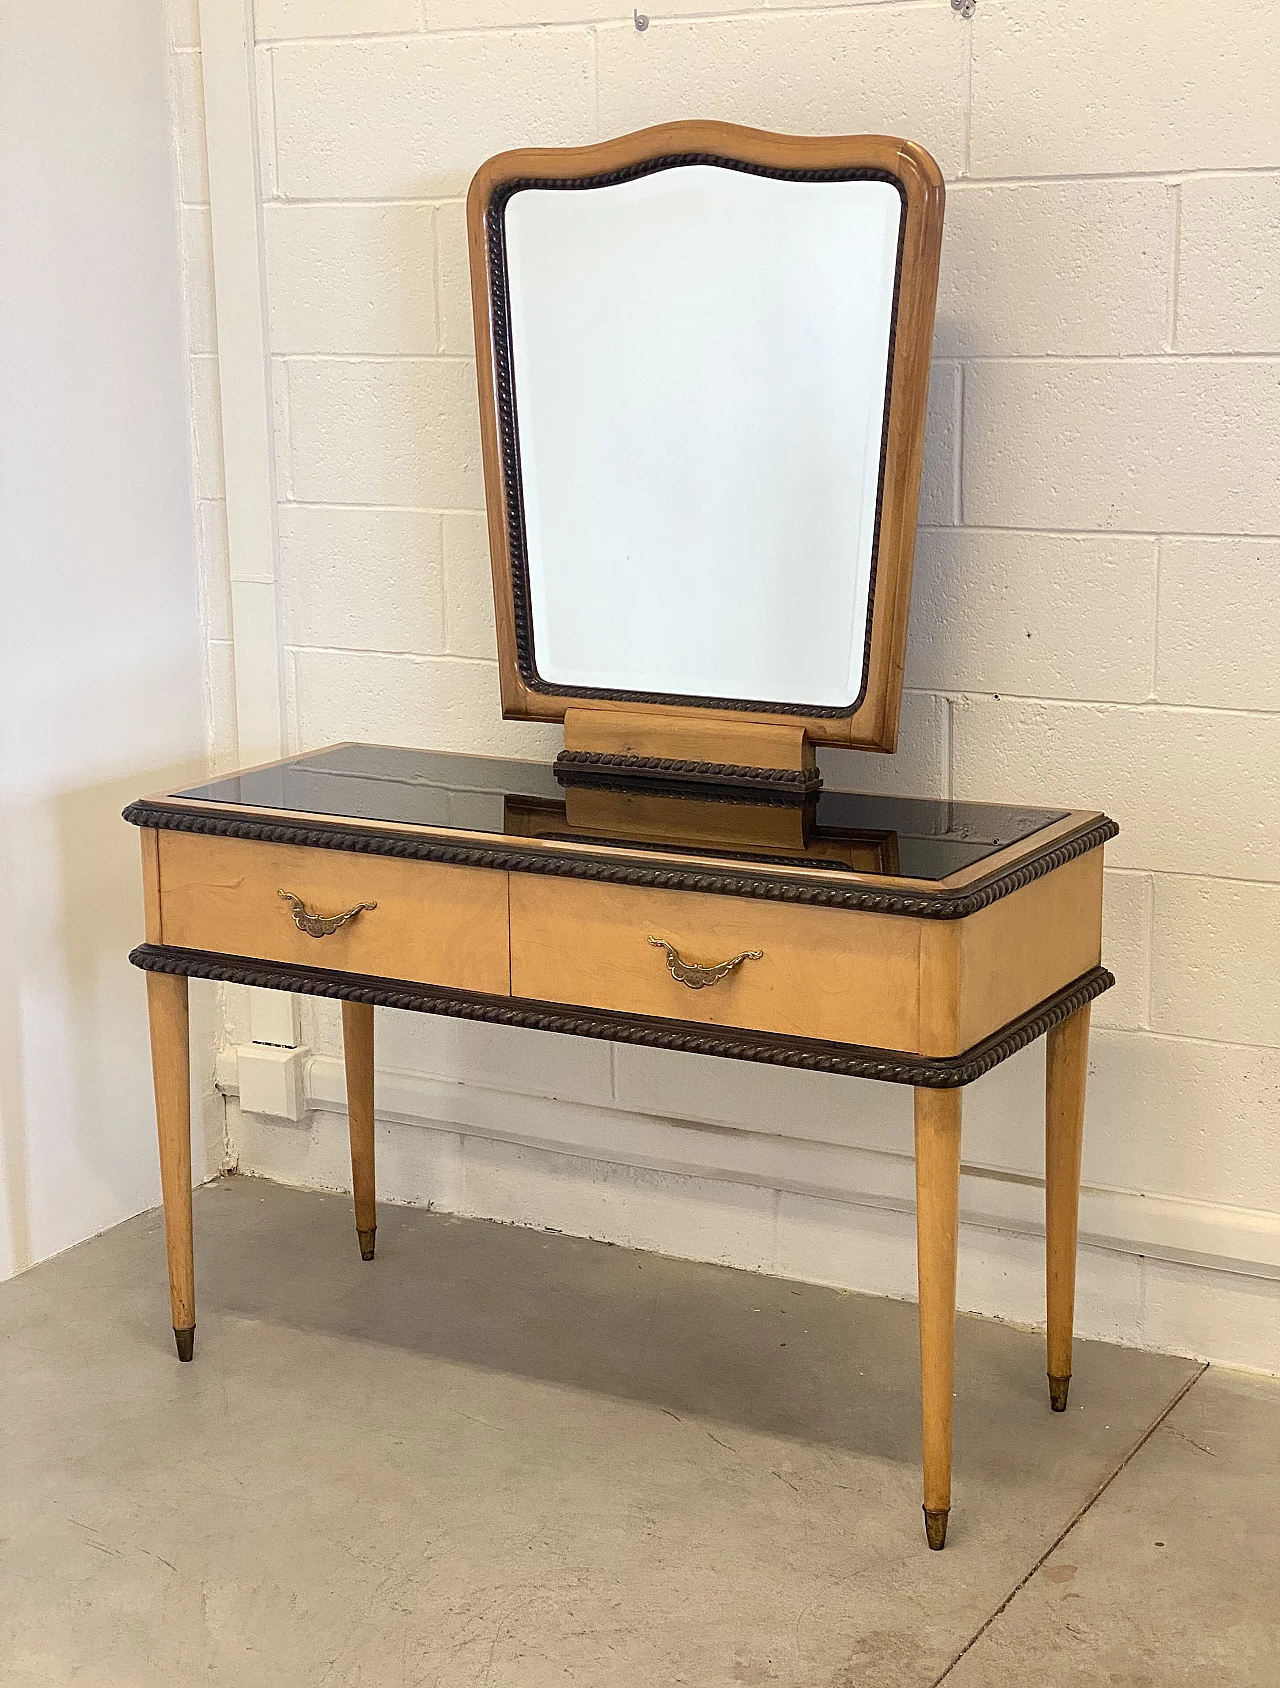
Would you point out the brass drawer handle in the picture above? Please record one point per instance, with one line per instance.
(320, 925)
(693, 973)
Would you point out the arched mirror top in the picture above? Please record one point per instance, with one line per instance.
(703, 362)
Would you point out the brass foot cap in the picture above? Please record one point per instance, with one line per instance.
(935, 1528)
(1058, 1387)
(366, 1241)
(186, 1341)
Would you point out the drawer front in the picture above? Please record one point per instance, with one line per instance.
(824, 973)
(437, 925)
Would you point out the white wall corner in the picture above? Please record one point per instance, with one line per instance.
(248, 430)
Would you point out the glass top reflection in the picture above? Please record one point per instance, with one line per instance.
(898, 837)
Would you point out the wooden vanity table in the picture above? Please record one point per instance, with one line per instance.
(703, 359)
(469, 887)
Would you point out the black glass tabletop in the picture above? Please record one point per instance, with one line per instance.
(907, 837)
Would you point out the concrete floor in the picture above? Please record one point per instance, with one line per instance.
(505, 1458)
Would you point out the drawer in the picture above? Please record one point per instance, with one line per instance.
(824, 973)
(437, 925)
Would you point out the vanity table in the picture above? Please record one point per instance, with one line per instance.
(702, 496)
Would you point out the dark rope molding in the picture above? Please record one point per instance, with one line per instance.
(728, 882)
(508, 428)
(853, 1060)
(614, 771)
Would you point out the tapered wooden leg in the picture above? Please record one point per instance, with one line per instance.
(357, 1047)
(1066, 1069)
(937, 1223)
(171, 1073)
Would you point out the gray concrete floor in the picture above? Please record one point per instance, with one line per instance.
(500, 1457)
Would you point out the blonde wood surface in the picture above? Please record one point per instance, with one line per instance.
(937, 1228)
(927, 987)
(979, 973)
(171, 1075)
(874, 724)
(436, 925)
(149, 839)
(1027, 945)
(1066, 1072)
(826, 973)
(753, 744)
(357, 1051)
(1033, 845)
(939, 1024)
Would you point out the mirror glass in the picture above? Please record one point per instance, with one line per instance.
(700, 359)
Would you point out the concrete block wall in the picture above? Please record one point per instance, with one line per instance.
(1093, 624)
(186, 98)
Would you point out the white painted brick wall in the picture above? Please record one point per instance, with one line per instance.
(891, 69)
(1161, 445)
(186, 99)
(1227, 293)
(1094, 619)
(1063, 269)
(351, 278)
(1096, 89)
(1216, 630)
(411, 118)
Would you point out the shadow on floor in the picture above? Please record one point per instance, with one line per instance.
(507, 1457)
(816, 1365)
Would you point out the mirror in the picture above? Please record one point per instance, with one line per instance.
(699, 361)
(707, 396)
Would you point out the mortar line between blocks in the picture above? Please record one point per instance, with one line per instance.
(435, 279)
(1049, 532)
(293, 733)
(443, 595)
(1195, 173)
(726, 13)
(959, 183)
(1071, 1523)
(1174, 264)
(595, 81)
(968, 100)
(275, 127)
(280, 388)
(1111, 360)
(1155, 622)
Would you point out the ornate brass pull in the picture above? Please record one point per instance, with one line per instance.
(694, 973)
(320, 925)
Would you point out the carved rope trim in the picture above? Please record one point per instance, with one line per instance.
(573, 764)
(505, 405)
(852, 1060)
(941, 905)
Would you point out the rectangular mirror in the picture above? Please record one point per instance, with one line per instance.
(703, 367)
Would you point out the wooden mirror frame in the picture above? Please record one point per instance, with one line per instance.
(726, 732)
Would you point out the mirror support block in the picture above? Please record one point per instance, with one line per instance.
(687, 748)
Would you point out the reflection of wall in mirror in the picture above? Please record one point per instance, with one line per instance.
(700, 360)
